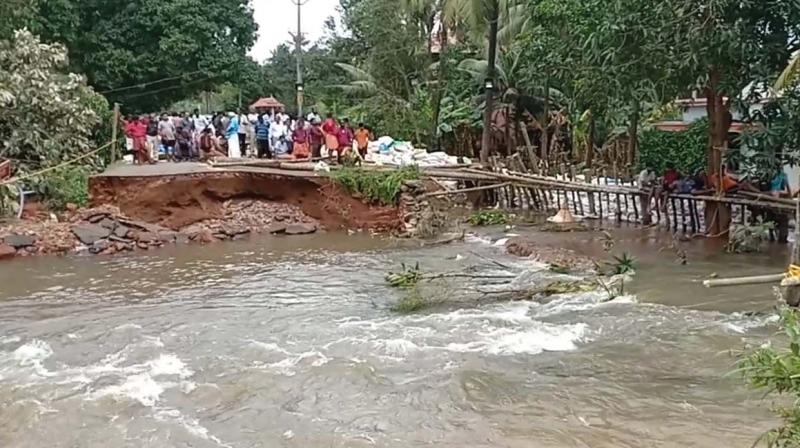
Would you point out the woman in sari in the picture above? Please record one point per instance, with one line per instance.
(330, 128)
(300, 137)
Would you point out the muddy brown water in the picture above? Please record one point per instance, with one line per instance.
(279, 342)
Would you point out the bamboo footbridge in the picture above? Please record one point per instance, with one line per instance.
(592, 194)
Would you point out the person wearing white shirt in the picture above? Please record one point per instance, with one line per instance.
(279, 135)
(313, 117)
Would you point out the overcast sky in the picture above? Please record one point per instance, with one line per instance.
(277, 17)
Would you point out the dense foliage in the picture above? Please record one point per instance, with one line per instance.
(146, 53)
(48, 116)
(685, 150)
(777, 370)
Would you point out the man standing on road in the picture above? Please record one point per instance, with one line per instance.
(166, 129)
(153, 140)
(199, 123)
(262, 137)
(232, 135)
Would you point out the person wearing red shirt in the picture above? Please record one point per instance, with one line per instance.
(138, 131)
(301, 137)
(345, 137)
(330, 128)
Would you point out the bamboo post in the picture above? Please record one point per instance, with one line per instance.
(618, 213)
(644, 202)
(674, 215)
(683, 217)
(600, 203)
(635, 209)
(588, 178)
(666, 213)
(743, 221)
(114, 127)
(575, 195)
(658, 208)
(692, 220)
(696, 213)
(579, 203)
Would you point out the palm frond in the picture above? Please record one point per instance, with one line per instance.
(356, 73)
(789, 75)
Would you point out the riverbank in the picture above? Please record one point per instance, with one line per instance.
(132, 213)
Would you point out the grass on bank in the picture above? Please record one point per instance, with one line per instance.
(490, 218)
(375, 186)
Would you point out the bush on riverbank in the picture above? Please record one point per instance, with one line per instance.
(69, 185)
(777, 370)
(375, 186)
(685, 149)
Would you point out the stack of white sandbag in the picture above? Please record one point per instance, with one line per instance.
(387, 151)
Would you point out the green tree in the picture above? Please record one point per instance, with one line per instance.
(149, 53)
(718, 47)
(47, 115)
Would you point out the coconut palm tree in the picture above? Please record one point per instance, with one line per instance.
(484, 18)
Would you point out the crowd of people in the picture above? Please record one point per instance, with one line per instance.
(192, 137)
(699, 183)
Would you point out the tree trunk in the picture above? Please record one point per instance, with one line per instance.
(590, 141)
(486, 140)
(545, 139)
(633, 134)
(438, 92)
(717, 215)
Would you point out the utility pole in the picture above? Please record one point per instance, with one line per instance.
(298, 46)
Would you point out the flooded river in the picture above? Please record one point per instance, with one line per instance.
(291, 343)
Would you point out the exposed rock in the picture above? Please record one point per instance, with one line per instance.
(90, 233)
(96, 218)
(300, 229)
(233, 230)
(122, 231)
(108, 223)
(110, 250)
(204, 236)
(19, 241)
(144, 237)
(117, 239)
(141, 225)
(181, 238)
(100, 246)
(142, 245)
(277, 227)
(71, 207)
(122, 246)
(7, 251)
(167, 236)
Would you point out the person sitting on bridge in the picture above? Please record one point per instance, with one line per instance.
(209, 146)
